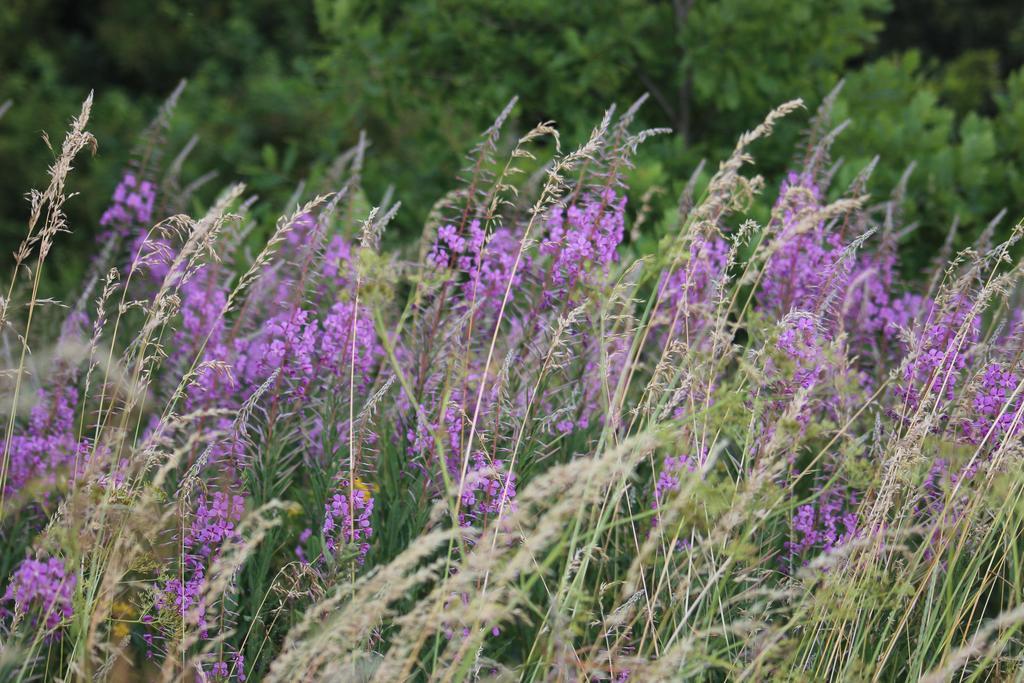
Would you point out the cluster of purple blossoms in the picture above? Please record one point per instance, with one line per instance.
(132, 203)
(996, 408)
(42, 590)
(581, 239)
(488, 491)
(336, 268)
(486, 260)
(420, 437)
(802, 343)
(806, 275)
(213, 525)
(282, 334)
(39, 451)
(222, 670)
(801, 362)
(488, 487)
(940, 353)
(300, 342)
(304, 346)
(490, 274)
(347, 519)
(286, 332)
(825, 524)
(580, 243)
(453, 250)
(669, 480)
(577, 249)
(827, 300)
(48, 444)
(869, 308)
(202, 304)
(809, 269)
(683, 290)
(803, 269)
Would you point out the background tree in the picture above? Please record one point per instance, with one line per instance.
(276, 90)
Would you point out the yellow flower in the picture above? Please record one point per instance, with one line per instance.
(121, 612)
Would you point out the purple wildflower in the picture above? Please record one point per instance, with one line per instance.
(132, 202)
(213, 525)
(41, 589)
(686, 288)
(582, 238)
(669, 480)
(802, 271)
(826, 524)
(347, 519)
(992, 398)
(48, 444)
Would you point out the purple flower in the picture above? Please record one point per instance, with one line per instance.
(488, 489)
(41, 589)
(486, 262)
(132, 202)
(48, 444)
(213, 525)
(826, 524)
(802, 271)
(686, 289)
(801, 342)
(669, 480)
(582, 239)
(940, 350)
(992, 398)
(347, 519)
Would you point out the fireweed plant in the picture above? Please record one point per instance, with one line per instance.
(513, 451)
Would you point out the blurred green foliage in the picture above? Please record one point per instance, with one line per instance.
(276, 90)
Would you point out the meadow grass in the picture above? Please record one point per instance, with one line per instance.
(514, 450)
